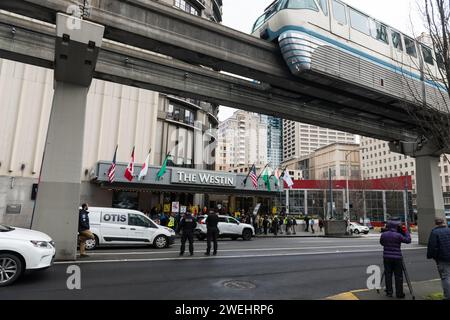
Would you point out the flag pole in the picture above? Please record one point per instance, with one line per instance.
(248, 174)
(260, 174)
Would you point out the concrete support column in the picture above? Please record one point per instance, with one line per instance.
(384, 206)
(430, 201)
(56, 209)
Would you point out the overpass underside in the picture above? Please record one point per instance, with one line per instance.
(153, 46)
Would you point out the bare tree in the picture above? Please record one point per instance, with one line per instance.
(430, 102)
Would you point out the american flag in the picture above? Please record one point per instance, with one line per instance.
(112, 169)
(254, 177)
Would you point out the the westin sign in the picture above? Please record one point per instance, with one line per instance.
(210, 178)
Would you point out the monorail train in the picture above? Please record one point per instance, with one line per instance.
(329, 42)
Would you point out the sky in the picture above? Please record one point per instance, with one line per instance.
(400, 14)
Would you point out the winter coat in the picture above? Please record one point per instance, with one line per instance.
(83, 220)
(392, 241)
(439, 244)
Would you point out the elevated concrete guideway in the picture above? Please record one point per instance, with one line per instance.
(160, 28)
(33, 43)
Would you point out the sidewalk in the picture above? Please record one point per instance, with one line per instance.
(300, 233)
(422, 290)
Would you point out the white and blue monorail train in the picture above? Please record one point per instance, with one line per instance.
(329, 42)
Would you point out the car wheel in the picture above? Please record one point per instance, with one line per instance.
(91, 244)
(161, 242)
(247, 234)
(11, 267)
(201, 237)
(356, 231)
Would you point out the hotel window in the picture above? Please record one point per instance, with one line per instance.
(186, 6)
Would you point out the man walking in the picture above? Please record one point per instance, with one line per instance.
(187, 226)
(212, 222)
(439, 250)
(84, 233)
(392, 240)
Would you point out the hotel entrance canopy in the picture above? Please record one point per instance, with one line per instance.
(177, 179)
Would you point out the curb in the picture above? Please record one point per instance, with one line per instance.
(350, 295)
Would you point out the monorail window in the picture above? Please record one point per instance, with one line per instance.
(259, 22)
(359, 22)
(302, 4)
(324, 6)
(379, 31)
(339, 12)
(397, 40)
(427, 55)
(410, 46)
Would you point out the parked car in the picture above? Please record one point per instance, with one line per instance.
(229, 227)
(112, 226)
(356, 228)
(23, 250)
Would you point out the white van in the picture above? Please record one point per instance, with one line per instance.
(112, 226)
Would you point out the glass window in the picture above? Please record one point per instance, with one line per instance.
(324, 6)
(427, 55)
(339, 12)
(410, 46)
(359, 21)
(397, 40)
(259, 22)
(170, 109)
(302, 4)
(231, 220)
(139, 221)
(379, 31)
(223, 219)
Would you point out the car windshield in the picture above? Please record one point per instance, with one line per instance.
(5, 228)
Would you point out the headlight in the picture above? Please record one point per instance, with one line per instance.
(41, 244)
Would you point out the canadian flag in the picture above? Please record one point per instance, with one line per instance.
(129, 172)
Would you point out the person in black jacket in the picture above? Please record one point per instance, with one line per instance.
(439, 250)
(187, 226)
(83, 229)
(212, 225)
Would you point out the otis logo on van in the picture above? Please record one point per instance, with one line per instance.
(114, 218)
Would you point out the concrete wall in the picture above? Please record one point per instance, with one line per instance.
(16, 191)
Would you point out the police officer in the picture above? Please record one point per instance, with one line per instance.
(83, 229)
(212, 222)
(187, 226)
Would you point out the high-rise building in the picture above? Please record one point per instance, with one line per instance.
(116, 115)
(377, 161)
(302, 139)
(274, 141)
(242, 142)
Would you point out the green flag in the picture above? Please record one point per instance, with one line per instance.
(266, 178)
(163, 169)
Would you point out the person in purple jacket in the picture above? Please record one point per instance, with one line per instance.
(392, 240)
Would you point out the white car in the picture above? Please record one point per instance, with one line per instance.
(229, 227)
(356, 228)
(23, 249)
(112, 226)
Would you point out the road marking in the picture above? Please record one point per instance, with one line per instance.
(343, 296)
(222, 257)
(234, 250)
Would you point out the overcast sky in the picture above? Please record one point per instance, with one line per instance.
(400, 14)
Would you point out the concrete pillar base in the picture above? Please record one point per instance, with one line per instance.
(430, 201)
